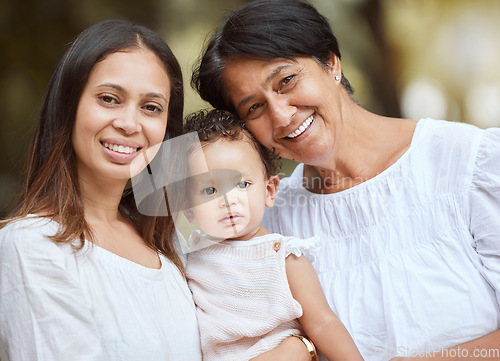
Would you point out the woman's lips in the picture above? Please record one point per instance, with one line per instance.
(302, 128)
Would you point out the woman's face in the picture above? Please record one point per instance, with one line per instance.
(290, 105)
(121, 115)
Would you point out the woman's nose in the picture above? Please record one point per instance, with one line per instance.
(128, 121)
(281, 111)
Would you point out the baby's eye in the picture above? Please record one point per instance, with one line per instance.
(243, 185)
(209, 191)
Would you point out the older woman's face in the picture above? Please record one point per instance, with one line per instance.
(292, 106)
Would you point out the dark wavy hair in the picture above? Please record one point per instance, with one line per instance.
(212, 125)
(264, 30)
(51, 183)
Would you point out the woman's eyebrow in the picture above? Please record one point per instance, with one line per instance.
(266, 83)
(275, 73)
(114, 86)
(155, 95)
(123, 90)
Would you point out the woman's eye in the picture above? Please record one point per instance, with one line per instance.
(108, 99)
(253, 108)
(153, 108)
(243, 185)
(285, 81)
(209, 191)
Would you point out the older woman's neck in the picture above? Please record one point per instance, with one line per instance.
(366, 145)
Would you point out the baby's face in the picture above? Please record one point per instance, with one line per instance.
(229, 191)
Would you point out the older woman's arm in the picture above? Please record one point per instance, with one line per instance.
(484, 225)
(486, 348)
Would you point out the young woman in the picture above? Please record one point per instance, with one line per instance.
(83, 275)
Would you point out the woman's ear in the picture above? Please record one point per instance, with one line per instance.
(271, 190)
(334, 67)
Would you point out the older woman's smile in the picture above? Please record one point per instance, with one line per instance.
(302, 128)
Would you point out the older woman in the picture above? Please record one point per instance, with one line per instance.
(408, 211)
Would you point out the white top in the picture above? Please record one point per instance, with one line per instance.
(244, 303)
(57, 305)
(410, 259)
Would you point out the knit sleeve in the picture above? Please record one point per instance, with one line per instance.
(308, 247)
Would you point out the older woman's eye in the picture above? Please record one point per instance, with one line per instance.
(254, 108)
(285, 81)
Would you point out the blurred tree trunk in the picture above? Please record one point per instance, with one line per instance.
(383, 78)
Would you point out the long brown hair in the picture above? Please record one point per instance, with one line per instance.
(50, 185)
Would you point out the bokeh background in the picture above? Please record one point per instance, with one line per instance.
(410, 58)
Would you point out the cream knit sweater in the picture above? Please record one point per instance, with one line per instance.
(244, 303)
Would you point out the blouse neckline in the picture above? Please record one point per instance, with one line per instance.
(298, 173)
(109, 258)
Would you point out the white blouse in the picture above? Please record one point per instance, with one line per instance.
(410, 259)
(91, 305)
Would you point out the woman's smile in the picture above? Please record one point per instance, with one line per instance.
(290, 105)
(122, 113)
(302, 128)
(120, 153)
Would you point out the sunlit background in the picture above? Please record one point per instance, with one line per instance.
(409, 58)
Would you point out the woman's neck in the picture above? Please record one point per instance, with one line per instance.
(101, 201)
(367, 145)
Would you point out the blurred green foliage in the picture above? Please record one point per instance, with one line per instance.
(33, 36)
(449, 46)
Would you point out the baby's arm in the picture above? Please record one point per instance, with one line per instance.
(320, 323)
(290, 349)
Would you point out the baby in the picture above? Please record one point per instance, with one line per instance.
(252, 288)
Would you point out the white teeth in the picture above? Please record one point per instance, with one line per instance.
(120, 148)
(302, 128)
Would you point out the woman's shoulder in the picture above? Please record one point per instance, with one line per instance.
(28, 235)
(447, 143)
(31, 224)
(453, 131)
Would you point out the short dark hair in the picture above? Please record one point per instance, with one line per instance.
(215, 124)
(264, 30)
